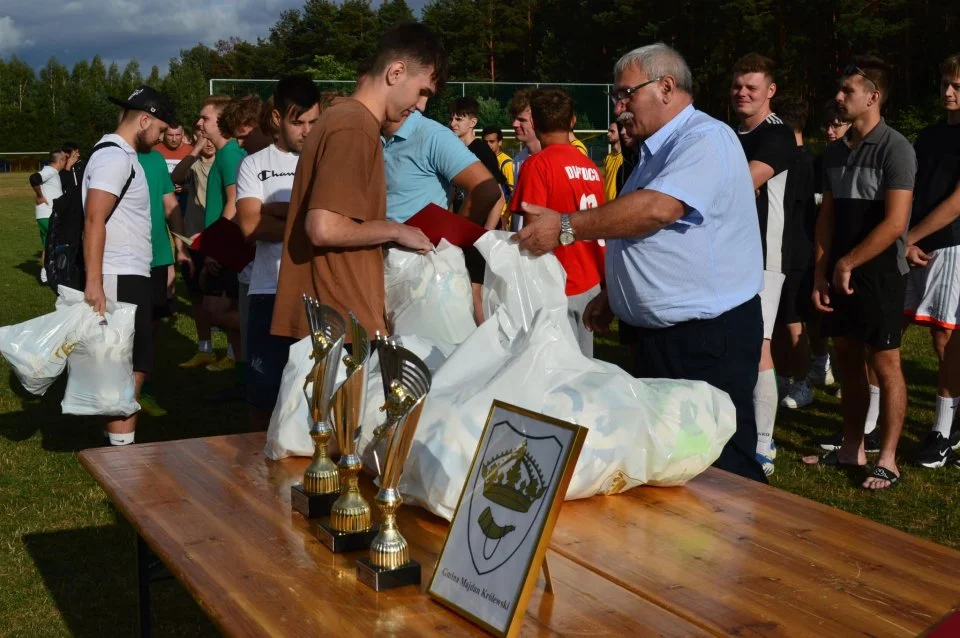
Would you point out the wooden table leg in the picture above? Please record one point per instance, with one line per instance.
(143, 587)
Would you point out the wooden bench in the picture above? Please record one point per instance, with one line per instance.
(722, 556)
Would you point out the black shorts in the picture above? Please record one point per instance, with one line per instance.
(193, 281)
(266, 354)
(873, 314)
(795, 303)
(158, 286)
(224, 283)
(139, 291)
(476, 265)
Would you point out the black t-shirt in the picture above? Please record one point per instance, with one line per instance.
(630, 158)
(803, 216)
(486, 156)
(773, 143)
(938, 175)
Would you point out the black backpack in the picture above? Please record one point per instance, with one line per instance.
(63, 259)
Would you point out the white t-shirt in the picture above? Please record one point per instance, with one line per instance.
(127, 250)
(51, 189)
(268, 176)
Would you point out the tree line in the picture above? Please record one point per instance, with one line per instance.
(517, 41)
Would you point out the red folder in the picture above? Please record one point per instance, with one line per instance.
(224, 241)
(438, 223)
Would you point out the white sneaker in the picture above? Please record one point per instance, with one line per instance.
(800, 395)
(821, 377)
(43, 275)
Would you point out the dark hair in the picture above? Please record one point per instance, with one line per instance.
(755, 63)
(875, 70)
(520, 102)
(552, 110)
(57, 152)
(793, 110)
(951, 66)
(295, 94)
(239, 112)
(69, 147)
(488, 130)
(410, 42)
(266, 119)
(831, 113)
(465, 106)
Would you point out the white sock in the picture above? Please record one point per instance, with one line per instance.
(946, 406)
(873, 410)
(230, 351)
(125, 438)
(206, 347)
(765, 409)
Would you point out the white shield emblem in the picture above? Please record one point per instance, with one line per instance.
(512, 478)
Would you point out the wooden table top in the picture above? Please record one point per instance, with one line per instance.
(217, 513)
(722, 556)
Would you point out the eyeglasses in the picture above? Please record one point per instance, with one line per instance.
(853, 69)
(624, 94)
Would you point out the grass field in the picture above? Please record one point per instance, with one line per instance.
(67, 562)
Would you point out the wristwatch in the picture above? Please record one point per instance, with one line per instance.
(566, 231)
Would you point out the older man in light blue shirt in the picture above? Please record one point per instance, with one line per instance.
(684, 260)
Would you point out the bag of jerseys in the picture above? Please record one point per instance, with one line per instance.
(429, 295)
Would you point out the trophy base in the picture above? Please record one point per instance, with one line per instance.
(379, 579)
(309, 504)
(338, 542)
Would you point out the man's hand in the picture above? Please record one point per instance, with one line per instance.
(42, 201)
(821, 294)
(184, 258)
(93, 294)
(541, 230)
(411, 237)
(212, 266)
(916, 257)
(598, 316)
(841, 277)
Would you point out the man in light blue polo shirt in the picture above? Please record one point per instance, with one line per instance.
(684, 260)
(422, 158)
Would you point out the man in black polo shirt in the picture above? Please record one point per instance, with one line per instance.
(771, 151)
(860, 269)
(933, 249)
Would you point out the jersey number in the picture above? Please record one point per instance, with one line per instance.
(588, 201)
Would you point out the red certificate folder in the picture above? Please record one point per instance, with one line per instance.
(223, 241)
(438, 223)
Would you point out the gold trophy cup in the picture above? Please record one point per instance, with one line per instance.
(320, 488)
(407, 382)
(350, 526)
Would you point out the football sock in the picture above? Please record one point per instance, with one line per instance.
(765, 409)
(873, 410)
(946, 407)
(206, 346)
(125, 438)
(230, 351)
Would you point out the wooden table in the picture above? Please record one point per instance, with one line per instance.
(722, 556)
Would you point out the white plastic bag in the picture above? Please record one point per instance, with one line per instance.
(100, 364)
(35, 348)
(521, 283)
(429, 295)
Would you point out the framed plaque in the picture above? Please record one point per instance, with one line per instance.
(509, 505)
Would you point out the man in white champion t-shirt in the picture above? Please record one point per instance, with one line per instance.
(116, 234)
(264, 184)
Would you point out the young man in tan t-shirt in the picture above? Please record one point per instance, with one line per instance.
(337, 221)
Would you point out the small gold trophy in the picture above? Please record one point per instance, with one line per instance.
(350, 526)
(408, 381)
(320, 488)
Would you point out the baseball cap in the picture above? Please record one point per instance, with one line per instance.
(149, 100)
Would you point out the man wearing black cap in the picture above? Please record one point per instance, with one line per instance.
(116, 235)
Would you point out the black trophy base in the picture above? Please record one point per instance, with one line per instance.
(379, 579)
(309, 504)
(338, 542)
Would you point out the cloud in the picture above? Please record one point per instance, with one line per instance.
(10, 36)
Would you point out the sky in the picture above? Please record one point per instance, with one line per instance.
(118, 30)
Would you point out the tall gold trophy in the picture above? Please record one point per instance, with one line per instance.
(350, 526)
(320, 488)
(407, 381)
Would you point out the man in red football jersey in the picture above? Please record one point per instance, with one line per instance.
(560, 177)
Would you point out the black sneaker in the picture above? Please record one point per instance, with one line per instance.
(830, 443)
(935, 452)
(871, 442)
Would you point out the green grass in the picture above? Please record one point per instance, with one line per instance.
(67, 563)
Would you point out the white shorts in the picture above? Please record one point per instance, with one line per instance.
(770, 300)
(933, 292)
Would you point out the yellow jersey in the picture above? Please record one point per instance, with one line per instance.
(505, 162)
(580, 146)
(611, 166)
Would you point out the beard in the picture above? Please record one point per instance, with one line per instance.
(142, 143)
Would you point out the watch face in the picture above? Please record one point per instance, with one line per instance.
(566, 238)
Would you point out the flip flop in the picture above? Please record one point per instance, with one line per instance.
(832, 459)
(883, 474)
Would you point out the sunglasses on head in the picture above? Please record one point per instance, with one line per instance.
(853, 69)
